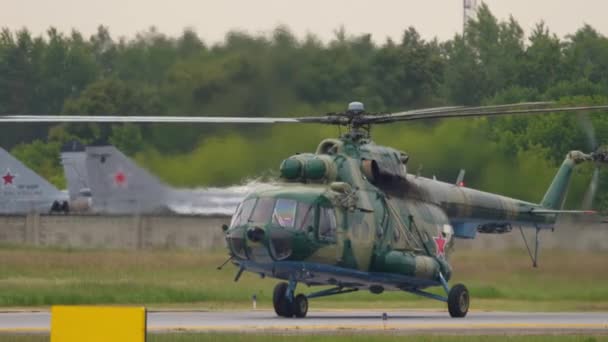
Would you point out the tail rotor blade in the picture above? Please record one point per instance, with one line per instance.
(591, 190)
(589, 130)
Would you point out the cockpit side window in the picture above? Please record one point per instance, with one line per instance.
(305, 217)
(263, 210)
(327, 224)
(236, 215)
(243, 212)
(284, 213)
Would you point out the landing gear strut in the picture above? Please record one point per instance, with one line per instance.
(285, 304)
(533, 256)
(457, 297)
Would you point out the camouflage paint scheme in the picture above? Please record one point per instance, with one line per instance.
(394, 230)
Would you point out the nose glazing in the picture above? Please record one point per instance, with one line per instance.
(255, 234)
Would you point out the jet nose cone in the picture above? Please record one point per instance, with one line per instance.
(255, 234)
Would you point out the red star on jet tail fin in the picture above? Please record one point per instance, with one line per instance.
(8, 178)
(120, 178)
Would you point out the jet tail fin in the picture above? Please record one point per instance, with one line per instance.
(118, 185)
(22, 190)
(73, 159)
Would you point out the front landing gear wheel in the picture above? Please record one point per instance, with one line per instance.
(458, 301)
(300, 306)
(279, 300)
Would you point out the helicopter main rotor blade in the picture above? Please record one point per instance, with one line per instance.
(476, 112)
(472, 109)
(347, 118)
(148, 119)
(332, 118)
(456, 109)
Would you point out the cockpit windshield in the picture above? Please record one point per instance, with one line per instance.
(241, 216)
(263, 210)
(283, 212)
(306, 216)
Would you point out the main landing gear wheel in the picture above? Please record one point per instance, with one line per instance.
(279, 301)
(300, 306)
(458, 301)
(283, 307)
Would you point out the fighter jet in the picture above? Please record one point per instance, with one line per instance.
(73, 158)
(119, 186)
(23, 191)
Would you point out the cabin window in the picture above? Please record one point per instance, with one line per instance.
(284, 213)
(305, 217)
(243, 212)
(327, 224)
(263, 210)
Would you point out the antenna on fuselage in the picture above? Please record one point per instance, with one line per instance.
(460, 178)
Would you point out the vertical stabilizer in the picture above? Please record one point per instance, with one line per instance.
(73, 159)
(556, 194)
(22, 190)
(118, 185)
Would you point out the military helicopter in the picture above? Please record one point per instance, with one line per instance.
(350, 216)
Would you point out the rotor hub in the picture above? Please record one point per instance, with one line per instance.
(356, 107)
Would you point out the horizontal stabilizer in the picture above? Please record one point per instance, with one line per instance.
(569, 212)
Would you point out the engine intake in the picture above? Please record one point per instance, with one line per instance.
(308, 167)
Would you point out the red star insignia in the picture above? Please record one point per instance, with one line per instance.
(120, 178)
(8, 178)
(440, 244)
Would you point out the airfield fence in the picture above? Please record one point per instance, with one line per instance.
(114, 232)
(204, 233)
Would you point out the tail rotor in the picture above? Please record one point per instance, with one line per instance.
(598, 156)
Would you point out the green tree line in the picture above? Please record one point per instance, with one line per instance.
(278, 74)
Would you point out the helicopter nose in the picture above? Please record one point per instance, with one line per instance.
(267, 241)
(255, 234)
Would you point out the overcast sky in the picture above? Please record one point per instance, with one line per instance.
(212, 19)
